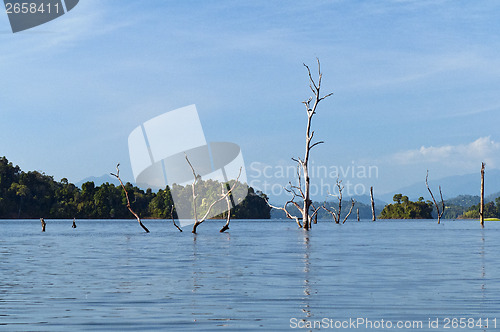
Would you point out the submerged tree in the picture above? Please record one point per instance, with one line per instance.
(373, 204)
(117, 175)
(223, 195)
(302, 190)
(172, 213)
(439, 213)
(43, 224)
(337, 212)
(481, 210)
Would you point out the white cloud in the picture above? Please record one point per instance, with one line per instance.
(463, 156)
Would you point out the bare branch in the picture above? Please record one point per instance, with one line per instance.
(315, 211)
(192, 168)
(325, 96)
(311, 78)
(333, 213)
(226, 226)
(439, 213)
(193, 190)
(284, 209)
(442, 200)
(117, 175)
(319, 72)
(317, 143)
(481, 206)
(350, 210)
(173, 219)
(373, 204)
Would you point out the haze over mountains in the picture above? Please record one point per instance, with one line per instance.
(451, 186)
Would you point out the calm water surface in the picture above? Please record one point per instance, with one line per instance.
(110, 275)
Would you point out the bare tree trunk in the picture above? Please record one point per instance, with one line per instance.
(304, 191)
(173, 219)
(74, 223)
(311, 110)
(357, 212)
(43, 224)
(226, 226)
(440, 213)
(373, 204)
(481, 211)
(350, 210)
(117, 175)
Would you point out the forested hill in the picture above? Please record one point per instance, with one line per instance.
(33, 194)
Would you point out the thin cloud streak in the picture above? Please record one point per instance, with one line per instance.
(465, 156)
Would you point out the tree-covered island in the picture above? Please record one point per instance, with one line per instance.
(32, 194)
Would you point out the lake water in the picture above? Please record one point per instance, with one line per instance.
(270, 275)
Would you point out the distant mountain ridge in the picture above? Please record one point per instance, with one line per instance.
(452, 186)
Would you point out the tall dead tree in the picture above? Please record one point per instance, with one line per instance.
(439, 213)
(117, 175)
(481, 208)
(303, 190)
(337, 212)
(223, 196)
(373, 204)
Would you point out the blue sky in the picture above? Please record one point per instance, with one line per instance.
(415, 83)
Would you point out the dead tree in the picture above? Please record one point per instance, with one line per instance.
(373, 204)
(303, 193)
(481, 208)
(228, 219)
(439, 213)
(43, 224)
(74, 223)
(117, 175)
(296, 191)
(337, 212)
(173, 219)
(197, 177)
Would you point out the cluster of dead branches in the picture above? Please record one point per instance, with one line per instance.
(224, 195)
(337, 212)
(439, 212)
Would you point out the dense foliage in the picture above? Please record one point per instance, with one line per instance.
(34, 195)
(491, 210)
(403, 208)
